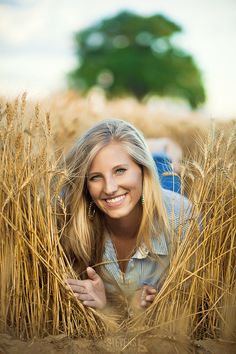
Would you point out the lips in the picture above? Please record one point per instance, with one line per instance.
(116, 201)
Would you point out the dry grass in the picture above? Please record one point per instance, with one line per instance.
(71, 115)
(33, 267)
(197, 299)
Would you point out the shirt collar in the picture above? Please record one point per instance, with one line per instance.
(159, 247)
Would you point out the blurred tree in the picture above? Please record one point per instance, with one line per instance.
(131, 54)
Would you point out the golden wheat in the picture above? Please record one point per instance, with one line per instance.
(33, 267)
(197, 299)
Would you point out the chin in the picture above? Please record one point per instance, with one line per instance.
(117, 217)
(118, 214)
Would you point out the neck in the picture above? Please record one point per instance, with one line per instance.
(126, 227)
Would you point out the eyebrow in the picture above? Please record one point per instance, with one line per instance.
(113, 168)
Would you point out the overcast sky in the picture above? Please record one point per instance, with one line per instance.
(36, 42)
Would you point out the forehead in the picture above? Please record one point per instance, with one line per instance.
(111, 155)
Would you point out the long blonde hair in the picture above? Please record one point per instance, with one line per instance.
(83, 239)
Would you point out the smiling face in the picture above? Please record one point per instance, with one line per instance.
(115, 182)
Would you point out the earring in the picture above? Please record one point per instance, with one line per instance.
(142, 199)
(91, 211)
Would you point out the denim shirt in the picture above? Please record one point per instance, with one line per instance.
(142, 268)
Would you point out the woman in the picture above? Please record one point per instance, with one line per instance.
(119, 216)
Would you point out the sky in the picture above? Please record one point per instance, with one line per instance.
(37, 48)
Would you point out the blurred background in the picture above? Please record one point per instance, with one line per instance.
(181, 52)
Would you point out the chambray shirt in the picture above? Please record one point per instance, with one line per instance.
(142, 268)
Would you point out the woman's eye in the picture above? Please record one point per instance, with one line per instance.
(94, 178)
(120, 171)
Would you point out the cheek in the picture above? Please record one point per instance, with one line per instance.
(137, 183)
(140, 187)
(93, 190)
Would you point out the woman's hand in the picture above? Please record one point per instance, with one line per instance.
(91, 291)
(145, 296)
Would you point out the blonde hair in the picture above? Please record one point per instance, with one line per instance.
(83, 239)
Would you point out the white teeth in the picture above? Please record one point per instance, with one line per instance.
(117, 199)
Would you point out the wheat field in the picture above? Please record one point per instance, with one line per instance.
(195, 309)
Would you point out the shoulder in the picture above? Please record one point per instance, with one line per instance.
(178, 207)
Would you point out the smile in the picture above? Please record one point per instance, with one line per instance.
(116, 199)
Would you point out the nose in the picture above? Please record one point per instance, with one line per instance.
(110, 185)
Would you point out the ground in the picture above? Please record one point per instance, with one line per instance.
(115, 344)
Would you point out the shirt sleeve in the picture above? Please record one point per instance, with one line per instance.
(179, 211)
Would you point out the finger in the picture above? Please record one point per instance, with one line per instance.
(92, 274)
(150, 290)
(90, 303)
(78, 289)
(143, 303)
(84, 297)
(143, 293)
(75, 282)
(150, 298)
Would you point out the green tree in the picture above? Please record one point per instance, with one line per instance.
(132, 54)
